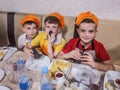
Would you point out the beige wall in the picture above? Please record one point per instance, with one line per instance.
(104, 9)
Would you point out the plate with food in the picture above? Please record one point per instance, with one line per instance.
(65, 66)
(85, 73)
(10, 52)
(112, 80)
(3, 52)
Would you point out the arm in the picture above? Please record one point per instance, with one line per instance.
(50, 50)
(27, 49)
(104, 66)
(75, 54)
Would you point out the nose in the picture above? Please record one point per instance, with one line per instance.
(86, 33)
(32, 30)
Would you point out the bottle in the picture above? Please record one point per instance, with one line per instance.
(23, 78)
(45, 82)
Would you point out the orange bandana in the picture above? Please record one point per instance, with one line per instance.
(86, 15)
(59, 17)
(31, 18)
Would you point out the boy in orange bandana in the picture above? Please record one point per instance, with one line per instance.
(50, 42)
(30, 25)
(85, 49)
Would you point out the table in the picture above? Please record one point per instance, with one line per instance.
(15, 57)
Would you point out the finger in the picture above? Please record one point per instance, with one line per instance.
(77, 57)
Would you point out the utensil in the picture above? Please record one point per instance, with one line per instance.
(66, 77)
(76, 61)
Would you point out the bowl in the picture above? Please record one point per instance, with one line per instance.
(117, 83)
(59, 77)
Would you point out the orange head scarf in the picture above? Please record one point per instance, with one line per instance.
(59, 17)
(31, 18)
(86, 15)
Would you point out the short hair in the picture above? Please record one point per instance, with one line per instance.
(29, 22)
(52, 20)
(86, 20)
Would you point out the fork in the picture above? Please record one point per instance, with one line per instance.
(66, 77)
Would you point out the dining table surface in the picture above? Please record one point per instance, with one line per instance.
(19, 54)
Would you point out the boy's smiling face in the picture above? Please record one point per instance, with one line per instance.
(87, 32)
(51, 27)
(30, 30)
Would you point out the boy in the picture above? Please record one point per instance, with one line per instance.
(85, 48)
(50, 41)
(30, 25)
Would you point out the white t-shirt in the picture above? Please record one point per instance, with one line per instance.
(22, 40)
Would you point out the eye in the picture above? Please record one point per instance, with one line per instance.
(28, 28)
(82, 30)
(91, 31)
(34, 27)
(54, 27)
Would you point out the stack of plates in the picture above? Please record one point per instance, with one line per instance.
(4, 88)
(2, 73)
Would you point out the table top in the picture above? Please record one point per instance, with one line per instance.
(16, 56)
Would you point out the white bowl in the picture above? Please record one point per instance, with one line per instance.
(117, 83)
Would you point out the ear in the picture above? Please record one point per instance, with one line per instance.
(59, 29)
(77, 30)
(96, 31)
(23, 29)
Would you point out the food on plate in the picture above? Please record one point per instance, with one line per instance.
(54, 67)
(107, 85)
(1, 54)
(117, 83)
(59, 63)
(51, 74)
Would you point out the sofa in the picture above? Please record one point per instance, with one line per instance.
(108, 31)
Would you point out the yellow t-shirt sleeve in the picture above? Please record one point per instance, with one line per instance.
(60, 46)
(36, 41)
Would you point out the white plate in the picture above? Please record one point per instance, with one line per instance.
(113, 75)
(3, 53)
(11, 51)
(64, 65)
(86, 73)
(2, 73)
(4, 88)
(37, 64)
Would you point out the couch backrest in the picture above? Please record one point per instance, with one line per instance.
(108, 30)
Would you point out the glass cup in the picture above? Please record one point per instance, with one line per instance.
(24, 83)
(11, 72)
(35, 75)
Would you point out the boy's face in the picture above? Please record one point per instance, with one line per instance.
(51, 27)
(87, 32)
(30, 30)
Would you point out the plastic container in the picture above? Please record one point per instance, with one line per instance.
(45, 81)
(23, 78)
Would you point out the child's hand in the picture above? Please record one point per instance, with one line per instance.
(29, 52)
(74, 54)
(28, 45)
(51, 38)
(88, 58)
